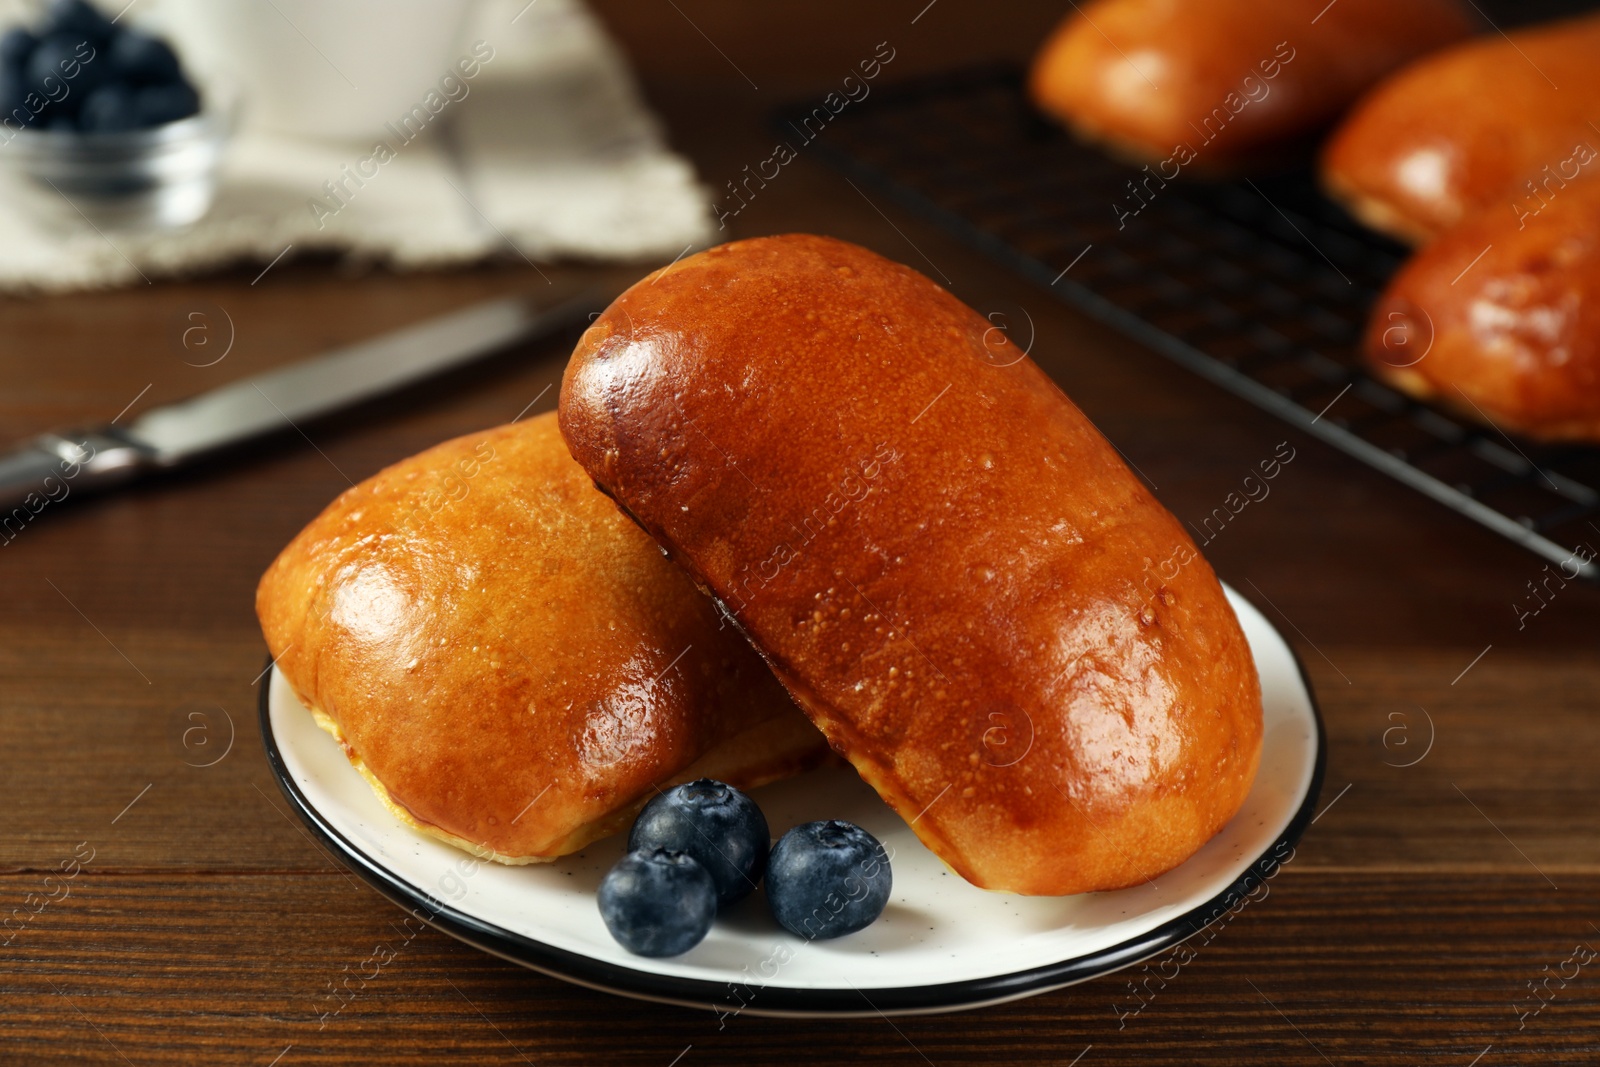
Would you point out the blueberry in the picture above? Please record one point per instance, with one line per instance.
(717, 825)
(78, 18)
(14, 111)
(11, 95)
(57, 74)
(828, 879)
(143, 60)
(109, 109)
(16, 45)
(657, 902)
(160, 104)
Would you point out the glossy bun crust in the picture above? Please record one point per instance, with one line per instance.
(1469, 128)
(507, 659)
(1516, 340)
(950, 569)
(1234, 80)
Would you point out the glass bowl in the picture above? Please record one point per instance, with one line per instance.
(159, 178)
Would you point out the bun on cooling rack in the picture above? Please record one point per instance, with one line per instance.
(1498, 124)
(1226, 82)
(1499, 318)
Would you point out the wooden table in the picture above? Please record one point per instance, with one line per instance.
(209, 928)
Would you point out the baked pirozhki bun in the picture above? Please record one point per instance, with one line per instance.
(1499, 123)
(951, 570)
(1500, 319)
(508, 660)
(1224, 83)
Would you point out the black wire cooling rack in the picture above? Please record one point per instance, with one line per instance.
(1262, 287)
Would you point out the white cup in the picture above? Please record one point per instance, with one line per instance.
(335, 69)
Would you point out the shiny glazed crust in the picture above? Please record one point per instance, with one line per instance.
(950, 569)
(1513, 337)
(1467, 129)
(507, 659)
(1229, 79)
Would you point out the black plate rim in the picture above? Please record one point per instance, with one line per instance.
(724, 997)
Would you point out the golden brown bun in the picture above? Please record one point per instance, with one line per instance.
(509, 660)
(1469, 128)
(1516, 340)
(950, 569)
(1224, 82)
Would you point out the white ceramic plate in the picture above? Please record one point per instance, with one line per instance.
(941, 944)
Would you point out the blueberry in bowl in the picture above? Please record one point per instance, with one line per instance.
(828, 879)
(104, 117)
(140, 59)
(658, 902)
(718, 825)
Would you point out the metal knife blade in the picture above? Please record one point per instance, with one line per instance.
(302, 391)
(51, 465)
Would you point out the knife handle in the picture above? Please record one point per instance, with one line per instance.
(52, 466)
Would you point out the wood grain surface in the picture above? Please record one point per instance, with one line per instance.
(1423, 908)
